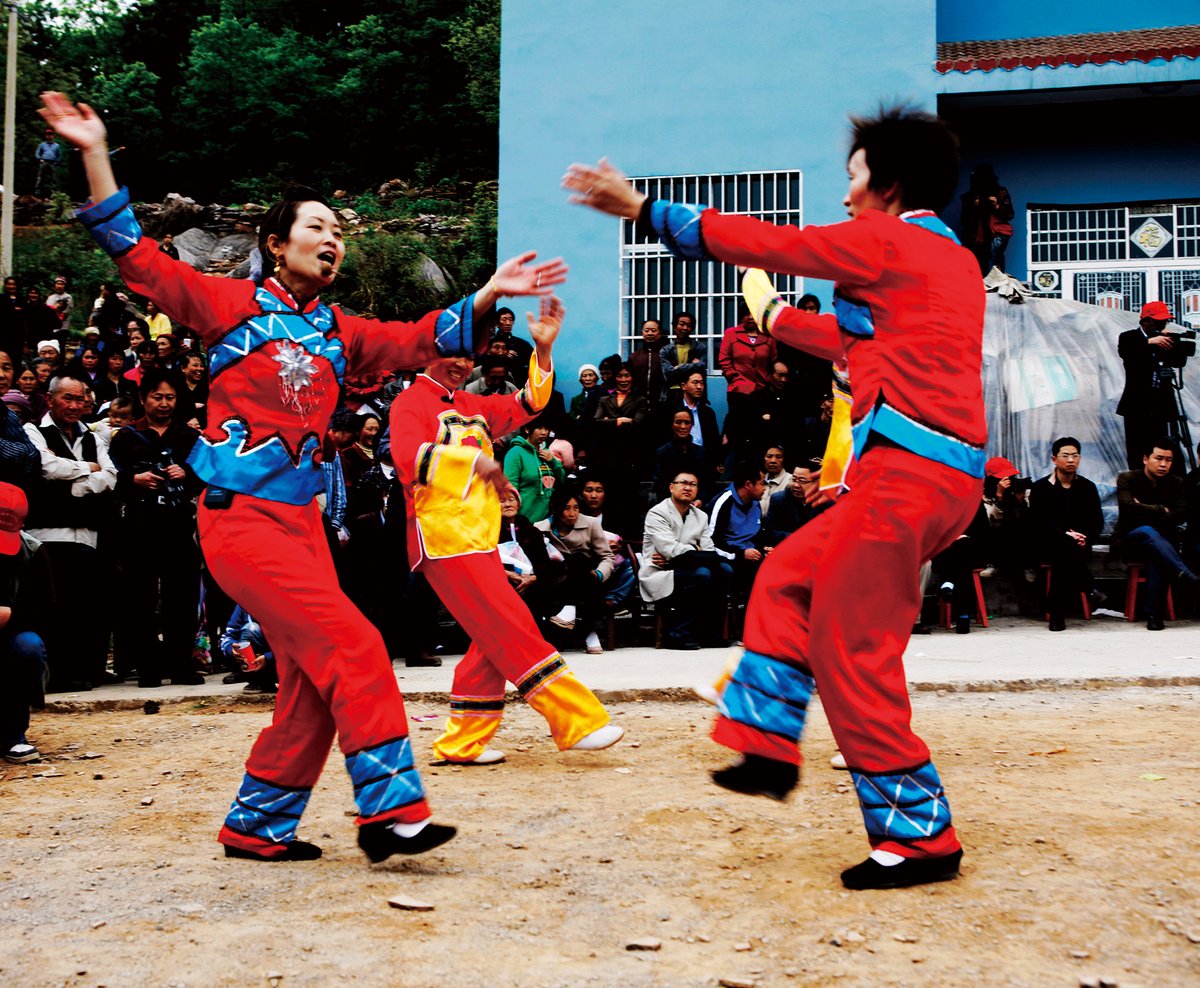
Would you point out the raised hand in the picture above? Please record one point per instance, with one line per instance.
(77, 123)
(604, 188)
(517, 276)
(543, 330)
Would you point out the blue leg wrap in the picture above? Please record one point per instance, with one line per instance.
(384, 777)
(768, 695)
(903, 806)
(267, 811)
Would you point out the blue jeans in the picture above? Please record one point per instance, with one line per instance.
(619, 586)
(1163, 564)
(702, 582)
(24, 656)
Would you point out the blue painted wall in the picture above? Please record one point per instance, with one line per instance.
(970, 20)
(663, 88)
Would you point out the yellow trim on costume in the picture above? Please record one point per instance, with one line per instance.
(839, 448)
(539, 386)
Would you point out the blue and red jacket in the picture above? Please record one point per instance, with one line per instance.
(276, 368)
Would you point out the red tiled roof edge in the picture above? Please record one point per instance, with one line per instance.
(1070, 49)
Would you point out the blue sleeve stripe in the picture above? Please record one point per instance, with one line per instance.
(678, 227)
(112, 223)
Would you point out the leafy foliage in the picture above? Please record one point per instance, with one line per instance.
(41, 253)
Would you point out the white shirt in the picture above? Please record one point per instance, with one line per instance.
(84, 480)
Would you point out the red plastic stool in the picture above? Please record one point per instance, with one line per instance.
(1083, 597)
(981, 617)
(1133, 579)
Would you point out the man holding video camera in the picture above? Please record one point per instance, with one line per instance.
(160, 561)
(1148, 401)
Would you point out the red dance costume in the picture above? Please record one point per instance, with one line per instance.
(453, 518)
(835, 602)
(275, 373)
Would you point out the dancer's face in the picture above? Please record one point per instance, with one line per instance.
(313, 251)
(451, 372)
(860, 195)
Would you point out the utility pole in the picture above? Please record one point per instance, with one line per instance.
(10, 126)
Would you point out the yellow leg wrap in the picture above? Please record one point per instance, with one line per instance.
(570, 708)
(468, 731)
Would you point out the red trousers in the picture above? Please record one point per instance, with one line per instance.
(836, 600)
(334, 672)
(505, 645)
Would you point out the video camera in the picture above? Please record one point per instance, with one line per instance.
(1183, 345)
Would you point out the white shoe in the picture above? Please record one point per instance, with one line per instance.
(489, 756)
(707, 692)
(838, 761)
(604, 737)
(987, 572)
(565, 618)
(19, 754)
(592, 645)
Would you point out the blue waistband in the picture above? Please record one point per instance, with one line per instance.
(920, 439)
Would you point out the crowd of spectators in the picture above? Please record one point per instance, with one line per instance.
(629, 494)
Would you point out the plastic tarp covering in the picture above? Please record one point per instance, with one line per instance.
(1050, 369)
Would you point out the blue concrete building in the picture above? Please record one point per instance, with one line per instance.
(745, 106)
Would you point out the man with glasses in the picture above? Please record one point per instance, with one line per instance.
(789, 509)
(66, 509)
(1066, 520)
(682, 567)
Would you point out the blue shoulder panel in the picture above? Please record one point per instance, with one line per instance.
(280, 322)
(853, 317)
(112, 223)
(678, 227)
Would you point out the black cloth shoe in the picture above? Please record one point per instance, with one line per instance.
(149, 684)
(962, 626)
(758, 776)
(424, 659)
(297, 850)
(1154, 623)
(188, 679)
(1096, 598)
(911, 871)
(107, 679)
(233, 677)
(920, 628)
(1057, 623)
(680, 644)
(379, 841)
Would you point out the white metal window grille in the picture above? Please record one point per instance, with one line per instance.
(655, 285)
(1181, 291)
(1116, 254)
(1112, 289)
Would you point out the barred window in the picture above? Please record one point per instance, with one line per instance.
(655, 285)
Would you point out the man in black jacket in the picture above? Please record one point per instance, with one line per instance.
(1065, 515)
(1152, 507)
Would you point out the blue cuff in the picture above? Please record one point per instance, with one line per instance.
(678, 227)
(768, 695)
(454, 332)
(112, 223)
(902, 806)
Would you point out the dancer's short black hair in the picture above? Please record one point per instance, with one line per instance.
(912, 149)
(280, 218)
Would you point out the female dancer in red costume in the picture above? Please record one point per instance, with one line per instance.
(277, 358)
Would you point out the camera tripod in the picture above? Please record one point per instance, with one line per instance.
(1177, 422)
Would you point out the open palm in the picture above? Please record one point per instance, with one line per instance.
(78, 124)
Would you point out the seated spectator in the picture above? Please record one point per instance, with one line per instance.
(1151, 507)
(496, 348)
(26, 608)
(680, 452)
(589, 558)
(1004, 498)
(776, 476)
(682, 566)
(247, 651)
(1065, 521)
(495, 379)
(735, 527)
(19, 461)
(954, 566)
(527, 563)
(683, 354)
(1192, 502)
(789, 508)
(160, 559)
(706, 433)
(533, 470)
(617, 588)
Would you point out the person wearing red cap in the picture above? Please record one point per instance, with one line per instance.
(26, 598)
(1148, 402)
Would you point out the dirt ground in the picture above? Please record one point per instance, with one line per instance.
(1079, 812)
